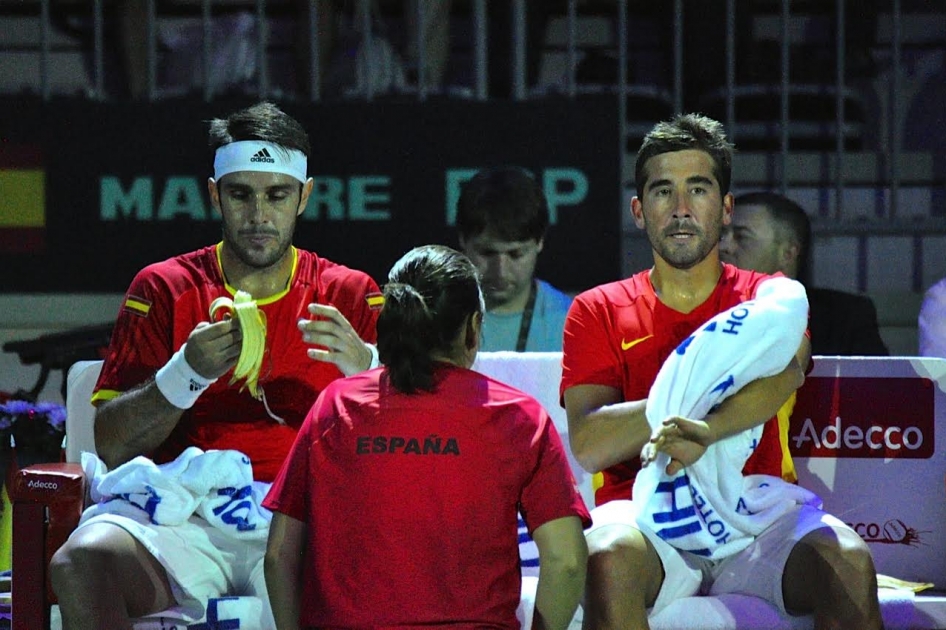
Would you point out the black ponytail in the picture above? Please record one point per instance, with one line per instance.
(431, 292)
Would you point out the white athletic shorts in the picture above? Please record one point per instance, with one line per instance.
(201, 561)
(756, 570)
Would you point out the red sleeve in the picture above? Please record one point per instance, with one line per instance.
(589, 356)
(766, 459)
(357, 296)
(552, 492)
(141, 340)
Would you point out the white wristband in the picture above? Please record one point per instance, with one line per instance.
(179, 383)
(375, 359)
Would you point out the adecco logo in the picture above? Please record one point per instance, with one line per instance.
(854, 438)
(42, 485)
(893, 532)
(863, 417)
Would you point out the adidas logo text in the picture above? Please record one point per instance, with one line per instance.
(263, 156)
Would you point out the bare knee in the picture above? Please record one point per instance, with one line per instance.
(840, 551)
(85, 557)
(620, 551)
(831, 573)
(624, 575)
(104, 562)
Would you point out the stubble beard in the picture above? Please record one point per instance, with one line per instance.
(684, 257)
(256, 259)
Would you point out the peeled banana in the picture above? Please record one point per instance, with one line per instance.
(253, 326)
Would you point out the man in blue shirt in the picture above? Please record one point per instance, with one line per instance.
(502, 217)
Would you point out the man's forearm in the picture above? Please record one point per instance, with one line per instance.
(557, 597)
(138, 421)
(133, 424)
(563, 556)
(755, 403)
(282, 567)
(609, 435)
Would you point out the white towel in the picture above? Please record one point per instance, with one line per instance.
(217, 485)
(710, 508)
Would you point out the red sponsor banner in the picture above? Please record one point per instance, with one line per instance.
(22, 240)
(20, 155)
(874, 418)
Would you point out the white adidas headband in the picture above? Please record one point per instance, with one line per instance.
(256, 155)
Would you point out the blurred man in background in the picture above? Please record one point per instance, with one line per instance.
(770, 233)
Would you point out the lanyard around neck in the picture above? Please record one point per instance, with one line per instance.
(526, 323)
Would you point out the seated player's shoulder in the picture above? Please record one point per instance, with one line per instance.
(334, 278)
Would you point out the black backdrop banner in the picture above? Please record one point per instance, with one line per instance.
(95, 191)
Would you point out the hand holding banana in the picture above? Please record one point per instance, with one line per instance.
(252, 323)
(340, 342)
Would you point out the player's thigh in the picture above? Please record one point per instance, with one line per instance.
(821, 558)
(107, 552)
(620, 556)
(199, 559)
(764, 568)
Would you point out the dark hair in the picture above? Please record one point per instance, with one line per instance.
(431, 292)
(687, 131)
(791, 217)
(506, 200)
(263, 121)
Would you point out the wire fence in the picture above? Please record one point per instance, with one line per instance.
(789, 78)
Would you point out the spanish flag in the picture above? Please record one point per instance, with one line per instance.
(22, 199)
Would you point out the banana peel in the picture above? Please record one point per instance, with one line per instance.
(253, 326)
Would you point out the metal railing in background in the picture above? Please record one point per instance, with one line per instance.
(896, 135)
(731, 65)
(621, 84)
(479, 40)
(98, 47)
(480, 58)
(839, 77)
(419, 16)
(678, 45)
(784, 93)
(151, 38)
